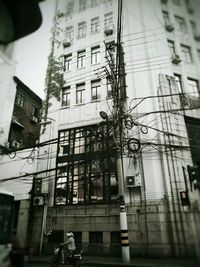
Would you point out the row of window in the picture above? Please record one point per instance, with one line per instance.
(94, 27)
(192, 86)
(81, 58)
(94, 237)
(186, 54)
(80, 93)
(179, 2)
(181, 24)
(83, 4)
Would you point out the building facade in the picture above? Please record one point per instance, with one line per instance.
(20, 132)
(79, 188)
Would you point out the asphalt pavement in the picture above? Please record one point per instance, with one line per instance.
(45, 261)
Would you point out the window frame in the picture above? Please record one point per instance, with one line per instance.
(95, 25)
(80, 93)
(82, 29)
(181, 24)
(186, 54)
(95, 90)
(69, 33)
(95, 54)
(81, 58)
(66, 96)
(195, 85)
(67, 62)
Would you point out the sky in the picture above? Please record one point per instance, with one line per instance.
(31, 52)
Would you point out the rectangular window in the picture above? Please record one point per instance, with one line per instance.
(81, 58)
(115, 237)
(95, 54)
(35, 111)
(82, 5)
(95, 90)
(85, 174)
(177, 2)
(181, 24)
(186, 54)
(70, 7)
(198, 52)
(166, 17)
(94, 3)
(193, 87)
(67, 62)
(80, 93)
(178, 83)
(95, 23)
(20, 100)
(82, 29)
(69, 33)
(96, 237)
(108, 2)
(171, 47)
(66, 96)
(108, 21)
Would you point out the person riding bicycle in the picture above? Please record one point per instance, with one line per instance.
(69, 246)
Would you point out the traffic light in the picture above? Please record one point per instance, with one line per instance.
(18, 18)
(38, 186)
(194, 176)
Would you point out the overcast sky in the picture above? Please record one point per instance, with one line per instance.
(31, 52)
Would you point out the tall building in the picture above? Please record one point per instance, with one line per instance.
(159, 90)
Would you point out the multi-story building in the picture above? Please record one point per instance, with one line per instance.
(18, 150)
(160, 122)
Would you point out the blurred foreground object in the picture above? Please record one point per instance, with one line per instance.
(18, 19)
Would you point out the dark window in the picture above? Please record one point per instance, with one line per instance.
(95, 90)
(78, 237)
(181, 24)
(178, 82)
(95, 24)
(82, 29)
(57, 236)
(95, 55)
(115, 237)
(186, 54)
(66, 96)
(81, 59)
(171, 47)
(80, 93)
(193, 87)
(96, 237)
(35, 111)
(67, 62)
(20, 100)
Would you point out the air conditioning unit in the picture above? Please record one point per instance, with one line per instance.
(133, 181)
(15, 144)
(176, 59)
(66, 44)
(108, 30)
(38, 201)
(169, 27)
(34, 119)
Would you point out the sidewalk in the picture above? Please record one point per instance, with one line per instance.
(135, 262)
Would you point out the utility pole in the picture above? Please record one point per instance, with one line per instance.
(118, 86)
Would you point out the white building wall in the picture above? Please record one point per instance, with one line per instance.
(148, 61)
(8, 91)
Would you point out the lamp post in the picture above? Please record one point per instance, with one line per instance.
(120, 175)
